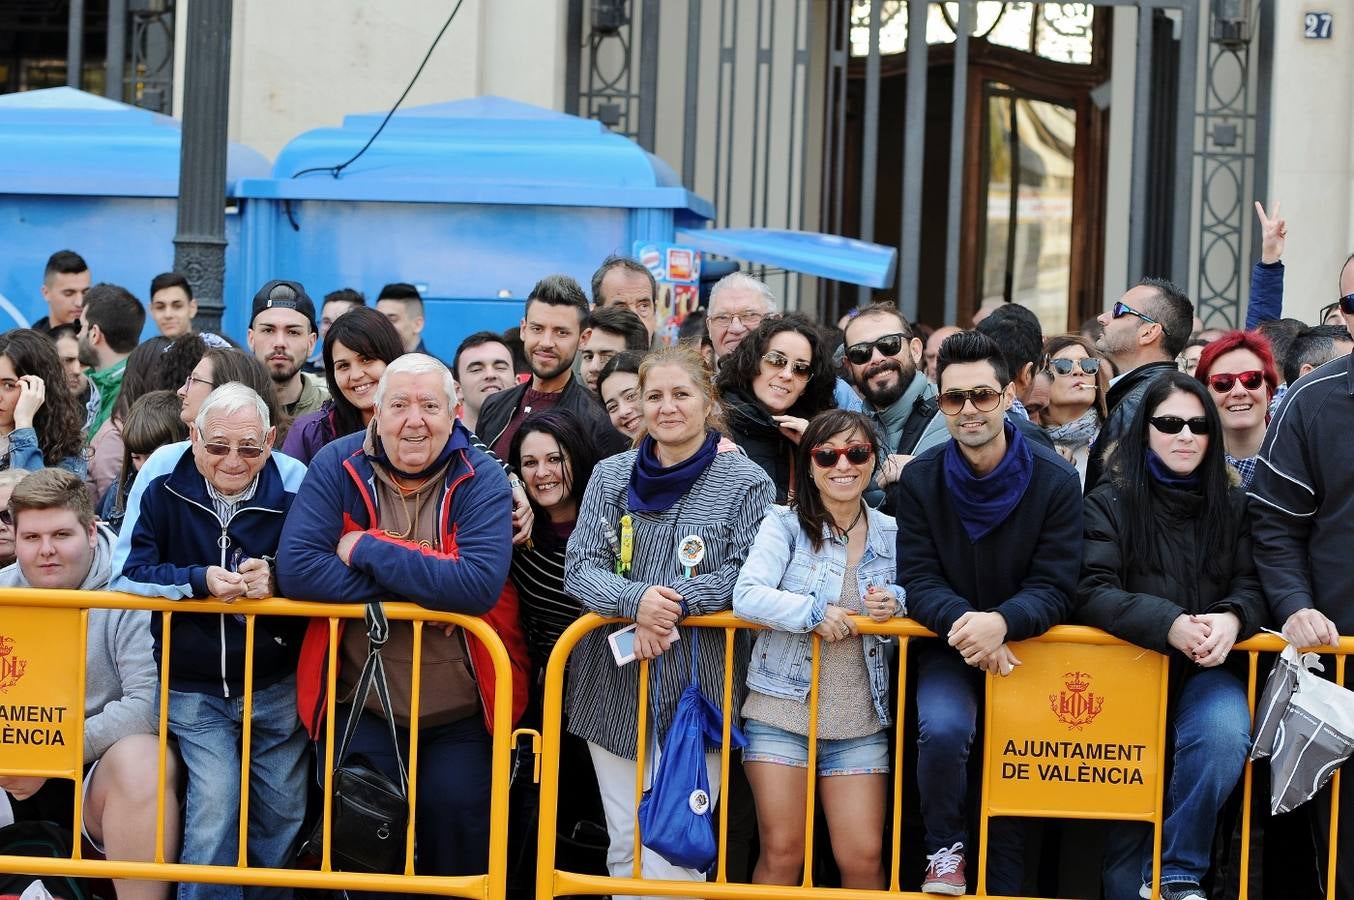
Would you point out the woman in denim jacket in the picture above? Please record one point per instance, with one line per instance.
(811, 567)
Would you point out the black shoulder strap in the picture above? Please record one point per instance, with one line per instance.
(924, 409)
(374, 675)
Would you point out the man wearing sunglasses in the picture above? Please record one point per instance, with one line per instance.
(884, 360)
(203, 521)
(1145, 330)
(989, 552)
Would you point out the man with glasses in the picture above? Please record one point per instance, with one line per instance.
(203, 521)
(1145, 331)
(989, 552)
(883, 358)
(738, 303)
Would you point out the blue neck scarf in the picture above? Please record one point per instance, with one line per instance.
(1165, 477)
(654, 487)
(984, 503)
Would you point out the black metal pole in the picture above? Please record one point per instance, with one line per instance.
(75, 43)
(115, 64)
(200, 241)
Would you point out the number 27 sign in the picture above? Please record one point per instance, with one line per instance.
(1316, 26)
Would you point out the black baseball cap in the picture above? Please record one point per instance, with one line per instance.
(278, 294)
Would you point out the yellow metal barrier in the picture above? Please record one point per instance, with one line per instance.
(492, 884)
(1130, 664)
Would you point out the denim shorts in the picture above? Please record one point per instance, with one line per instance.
(867, 755)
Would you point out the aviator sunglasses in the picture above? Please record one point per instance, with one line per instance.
(224, 450)
(1223, 382)
(1198, 426)
(888, 344)
(1089, 365)
(856, 455)
(777, 360)
(951, 403)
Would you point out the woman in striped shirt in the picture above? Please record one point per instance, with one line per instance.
(684, 480)
(554, 459)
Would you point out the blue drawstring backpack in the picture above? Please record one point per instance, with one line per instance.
(675, 819)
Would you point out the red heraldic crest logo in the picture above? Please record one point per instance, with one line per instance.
(11, 667)
(1076, 706)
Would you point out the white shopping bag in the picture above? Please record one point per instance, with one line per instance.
(1305, 725)
(36, 891)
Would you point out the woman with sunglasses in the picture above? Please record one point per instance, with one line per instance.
(1166, 565)
(773, 382)
(811, 568)
(641, 508)
(1242, 378)
(1076, 397)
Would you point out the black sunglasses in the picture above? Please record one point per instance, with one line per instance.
(856, 455)
(1122, 309)
(1089, 365)
(888, 344)
(1198, 426)
(6, 518)
(951, 403)
(1346, 305)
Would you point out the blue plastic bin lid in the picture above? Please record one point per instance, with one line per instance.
(68, 142)
(810, 252)
(486, 150)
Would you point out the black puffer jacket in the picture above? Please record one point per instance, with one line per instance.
(758, 436)
(1122, 596)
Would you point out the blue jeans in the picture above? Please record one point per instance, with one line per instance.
(949, 695)
(209, 731)
(1210, 735)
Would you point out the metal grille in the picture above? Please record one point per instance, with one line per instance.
(751, 110)
(1227, 170)
(150, 79)
(729, 108)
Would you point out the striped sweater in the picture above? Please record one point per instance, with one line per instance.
(724, 507)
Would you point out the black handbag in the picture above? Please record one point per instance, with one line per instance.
(370, 812)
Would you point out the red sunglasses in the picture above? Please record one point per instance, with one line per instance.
(856, 454)
(1223, 382)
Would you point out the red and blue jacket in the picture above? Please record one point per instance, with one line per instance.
(468, 574)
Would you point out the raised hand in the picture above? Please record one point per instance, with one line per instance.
(32, 394)
(1273, 234)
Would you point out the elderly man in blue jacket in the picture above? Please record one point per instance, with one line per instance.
(989, 551)
(410, 510)
(203, 520)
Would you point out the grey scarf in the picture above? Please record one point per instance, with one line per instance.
(1078, 433)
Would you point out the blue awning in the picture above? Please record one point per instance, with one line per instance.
(810, 252)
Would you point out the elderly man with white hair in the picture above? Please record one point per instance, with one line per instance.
(203, 521)
(738, 304)
(409, 509)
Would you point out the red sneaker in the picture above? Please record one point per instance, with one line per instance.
(945, 872)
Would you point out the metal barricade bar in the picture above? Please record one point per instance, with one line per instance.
(552, 882)
(492, 884)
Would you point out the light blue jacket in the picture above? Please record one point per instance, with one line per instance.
(786, 585)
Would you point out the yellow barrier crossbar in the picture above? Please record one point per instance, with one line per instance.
(553, 882)
(492, 884)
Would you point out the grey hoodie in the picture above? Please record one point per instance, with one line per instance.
(122, 684)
